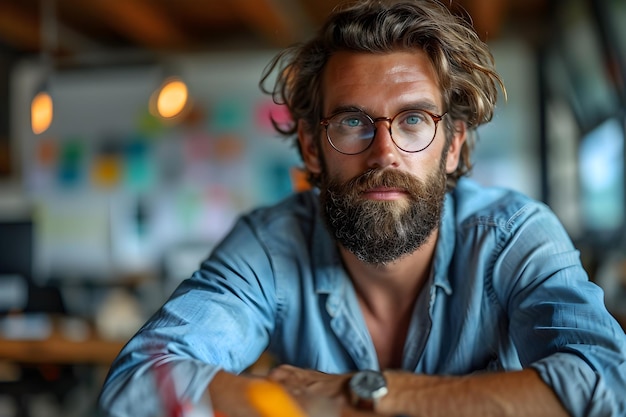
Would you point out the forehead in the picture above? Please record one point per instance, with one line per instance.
(380, 82)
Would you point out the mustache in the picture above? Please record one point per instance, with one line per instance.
(388, 178)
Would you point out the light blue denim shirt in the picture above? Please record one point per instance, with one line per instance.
(507, 292)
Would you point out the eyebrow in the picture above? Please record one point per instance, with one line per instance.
(422, 105)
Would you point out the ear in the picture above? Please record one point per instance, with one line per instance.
(309, 149)
(454, 150)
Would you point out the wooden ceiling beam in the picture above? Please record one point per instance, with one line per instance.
(140, 21)
(18, 28)
(278, 24)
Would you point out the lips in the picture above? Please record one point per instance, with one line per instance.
(384, 193)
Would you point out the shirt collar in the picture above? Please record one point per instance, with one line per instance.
(445, 245)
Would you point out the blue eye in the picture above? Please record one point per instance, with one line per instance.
(352, 122)
(413, 119)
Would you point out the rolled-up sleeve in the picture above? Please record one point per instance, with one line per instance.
(558, 319)
(220, 318)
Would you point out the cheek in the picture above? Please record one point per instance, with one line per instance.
(343, 167)
(424, 166)
(335, 169)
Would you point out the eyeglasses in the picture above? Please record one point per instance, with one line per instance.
(352, 132)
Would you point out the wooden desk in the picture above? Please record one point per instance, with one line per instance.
(57, 348)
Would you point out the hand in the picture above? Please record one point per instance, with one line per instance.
(320, 394)
(309, 383)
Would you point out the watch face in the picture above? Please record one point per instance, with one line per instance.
(368, 384)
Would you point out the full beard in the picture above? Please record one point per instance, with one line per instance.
(380, 232)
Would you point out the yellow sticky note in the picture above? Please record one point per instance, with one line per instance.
(271, 400)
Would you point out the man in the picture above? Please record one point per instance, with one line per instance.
(462, 300)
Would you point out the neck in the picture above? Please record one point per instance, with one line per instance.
(391, 288)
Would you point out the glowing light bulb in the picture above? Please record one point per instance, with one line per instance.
(41, 112)
(172, 98)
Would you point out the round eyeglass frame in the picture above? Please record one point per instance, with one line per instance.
(435, 117)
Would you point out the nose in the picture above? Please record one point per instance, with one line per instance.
(383, 152)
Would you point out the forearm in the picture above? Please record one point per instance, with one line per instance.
(502, 394)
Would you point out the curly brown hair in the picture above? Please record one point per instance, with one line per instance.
(464, 65)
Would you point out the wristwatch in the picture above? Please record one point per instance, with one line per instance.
(366, 388)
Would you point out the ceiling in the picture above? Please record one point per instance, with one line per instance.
(76, 27)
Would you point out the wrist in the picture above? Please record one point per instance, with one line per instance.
(366, 389)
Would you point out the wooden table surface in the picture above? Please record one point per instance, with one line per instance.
(61, 347)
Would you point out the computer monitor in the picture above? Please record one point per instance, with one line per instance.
(16, 263)
(16, 247)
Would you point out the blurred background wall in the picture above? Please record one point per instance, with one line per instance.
(110, 206)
